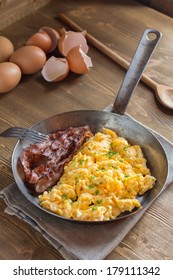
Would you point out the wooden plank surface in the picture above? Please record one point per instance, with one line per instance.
(13, 10)
(118, 24)
(165, 7)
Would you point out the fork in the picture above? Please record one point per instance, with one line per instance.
(22, 133)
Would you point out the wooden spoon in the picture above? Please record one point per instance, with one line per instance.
(163, 93)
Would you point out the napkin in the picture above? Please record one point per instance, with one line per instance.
(77, 240)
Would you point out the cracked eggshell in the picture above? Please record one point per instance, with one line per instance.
(71, 39)
(79, 62)
(55, 69)
(30, 59)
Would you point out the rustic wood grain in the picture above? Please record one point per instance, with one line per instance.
(20, 241)
(119, 25)
(13, 10)
(165, 7)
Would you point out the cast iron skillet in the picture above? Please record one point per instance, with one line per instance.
(117, 121)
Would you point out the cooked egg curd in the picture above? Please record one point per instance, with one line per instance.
(101, 181)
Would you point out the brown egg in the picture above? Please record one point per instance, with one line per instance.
(10, 75)
(6, 48)
(79, 62)
(30, 59)
(41, 40)
(53, 34)
(55, 69)
(71, 39)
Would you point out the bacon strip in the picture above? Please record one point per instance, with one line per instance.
(43, 163)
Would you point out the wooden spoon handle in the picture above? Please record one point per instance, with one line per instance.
(104, 49)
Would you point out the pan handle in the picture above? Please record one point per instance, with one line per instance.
(146, 46)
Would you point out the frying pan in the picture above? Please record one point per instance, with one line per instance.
(122, 124)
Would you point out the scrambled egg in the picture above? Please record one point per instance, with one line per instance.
(101, 181)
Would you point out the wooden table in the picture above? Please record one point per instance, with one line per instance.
(118, 24)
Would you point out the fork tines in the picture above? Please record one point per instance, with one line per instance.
(21, 133)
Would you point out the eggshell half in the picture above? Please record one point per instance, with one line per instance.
(79, 62)
(71, 39)
(55, 69)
